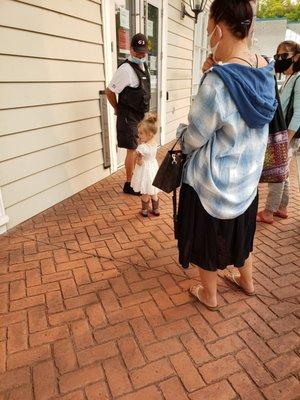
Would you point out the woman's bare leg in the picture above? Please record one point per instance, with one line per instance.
(246, 279)
(207, 292)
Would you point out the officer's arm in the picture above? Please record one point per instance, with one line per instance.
(112, 98)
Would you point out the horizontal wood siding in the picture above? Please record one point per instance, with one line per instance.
(179, 67)
(51, 70)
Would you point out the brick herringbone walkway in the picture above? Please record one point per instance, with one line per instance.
(94, 306)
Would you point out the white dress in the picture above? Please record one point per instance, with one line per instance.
(144, 175)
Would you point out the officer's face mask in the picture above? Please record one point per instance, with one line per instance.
(137, 60)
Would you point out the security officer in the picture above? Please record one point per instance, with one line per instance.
(132, 83)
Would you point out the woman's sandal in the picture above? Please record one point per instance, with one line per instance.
(260, 218)
(281, 214)
(231, 277)
(194, 290)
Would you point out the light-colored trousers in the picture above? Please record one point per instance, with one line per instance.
(278, 194)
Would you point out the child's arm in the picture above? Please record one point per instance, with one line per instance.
(139, 159)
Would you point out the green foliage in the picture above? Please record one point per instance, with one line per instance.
(279, 9)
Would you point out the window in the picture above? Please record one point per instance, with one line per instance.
(200, 50)
(125, 25)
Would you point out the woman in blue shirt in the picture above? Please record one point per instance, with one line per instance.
(288, 63)
(225, 142)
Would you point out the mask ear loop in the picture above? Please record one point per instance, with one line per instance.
(214, 49)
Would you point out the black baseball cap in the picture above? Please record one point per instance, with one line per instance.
(139, 42)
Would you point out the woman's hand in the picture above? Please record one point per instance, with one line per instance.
(139, 159)
(208, 63)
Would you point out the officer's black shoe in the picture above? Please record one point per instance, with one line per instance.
(128, 189)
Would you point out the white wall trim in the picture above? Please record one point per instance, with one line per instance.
(3, 217)
(164, 52)
(108, 64)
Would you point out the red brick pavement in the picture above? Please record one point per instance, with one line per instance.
(93, 305)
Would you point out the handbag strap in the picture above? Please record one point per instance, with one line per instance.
(174, 198)
(177, 141)
(290, 107)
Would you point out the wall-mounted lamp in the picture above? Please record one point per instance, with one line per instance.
(197, 6)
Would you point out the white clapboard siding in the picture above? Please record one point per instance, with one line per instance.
(35, 19)
(177, 63)
(41, 201)
(14, 95)
(179, 52)
(51, 71)
(174, 26)
(23, 119)
(39, 139)
(14, 42)
(179, 94)
(25, 69)
(178, 104)
(178, 84)
(23, 189)
(180, 41)
(173, 125)
(175, 11)
(29, 164)
(82, 9)
(175, 74)
(179, 113)
(179, 67)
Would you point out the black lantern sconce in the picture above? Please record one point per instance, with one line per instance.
(197, 6)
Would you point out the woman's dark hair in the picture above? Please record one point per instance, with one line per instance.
(236, 14)
(291, 46)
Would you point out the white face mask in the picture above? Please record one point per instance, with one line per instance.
(209, 37)
(137, 60)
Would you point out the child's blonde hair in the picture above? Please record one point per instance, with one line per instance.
(149, 125)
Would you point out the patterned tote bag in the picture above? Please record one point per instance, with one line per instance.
(275, 167)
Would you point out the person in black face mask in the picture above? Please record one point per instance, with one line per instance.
(284, 60)
(287, 62)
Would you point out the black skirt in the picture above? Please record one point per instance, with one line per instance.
(209, 242)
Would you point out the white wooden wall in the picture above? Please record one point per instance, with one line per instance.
(179, 67)
(51, 70)
(180, 63)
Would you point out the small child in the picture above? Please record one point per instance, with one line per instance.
(147, 166)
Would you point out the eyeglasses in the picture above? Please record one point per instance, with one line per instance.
(283, 56)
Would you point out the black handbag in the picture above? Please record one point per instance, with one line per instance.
(168, 177)
(290, 110)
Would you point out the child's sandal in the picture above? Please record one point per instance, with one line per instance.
(145, 208)
(155, 207)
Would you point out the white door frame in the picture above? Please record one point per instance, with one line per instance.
(110, 62)
(3, 217)
(164, 66)
(158, 4)
(110, 67)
